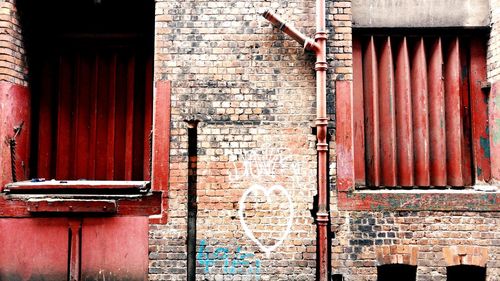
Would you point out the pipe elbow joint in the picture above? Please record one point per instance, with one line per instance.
(310, 45)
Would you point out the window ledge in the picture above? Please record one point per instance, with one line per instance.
(473, 189)
(54, 197)
(77, 186)
(482, 198)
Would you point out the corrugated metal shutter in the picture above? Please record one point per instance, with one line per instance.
(413, 123)
(94, 112)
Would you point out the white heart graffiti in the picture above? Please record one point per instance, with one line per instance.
(267, 192)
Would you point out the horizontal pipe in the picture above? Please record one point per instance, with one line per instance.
(296, 35)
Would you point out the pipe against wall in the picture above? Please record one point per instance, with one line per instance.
(319, 47)
(192, 206)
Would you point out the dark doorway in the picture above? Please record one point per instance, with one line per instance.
(396, 272)
(466, 273)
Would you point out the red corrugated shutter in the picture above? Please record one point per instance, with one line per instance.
(94, 112)
(415, 124)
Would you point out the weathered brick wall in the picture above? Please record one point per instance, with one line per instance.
(494, 43)
(341, 17)
(12, 60)
(253, 91)
(359, 235)
(364, 240)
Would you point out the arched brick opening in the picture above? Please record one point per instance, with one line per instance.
(397, 254)
(465, 255)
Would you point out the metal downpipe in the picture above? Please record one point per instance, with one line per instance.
(318, 46)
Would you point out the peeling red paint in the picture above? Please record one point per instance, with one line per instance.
(479, 112)
(430, 201)
(494, 126)
(344, 141)
(15, 109)
(161, 146)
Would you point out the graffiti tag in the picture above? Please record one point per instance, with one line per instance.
(236, 262)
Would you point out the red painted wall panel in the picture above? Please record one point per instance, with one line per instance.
(371, 102)
(479, 112)
(454, 125)
(15, 102)
(114, 249)
(437, 111)
(345, 142)
(357, 107)
(34, 249)
(89, 248)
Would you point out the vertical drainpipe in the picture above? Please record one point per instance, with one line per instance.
(321, 66)
(319, 47)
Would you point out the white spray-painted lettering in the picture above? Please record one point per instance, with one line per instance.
(265, 162)
(267, 170)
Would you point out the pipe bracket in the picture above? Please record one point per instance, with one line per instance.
(322, 122)
(321, 147)
(322, 218)
(321, 66)
(321, 35)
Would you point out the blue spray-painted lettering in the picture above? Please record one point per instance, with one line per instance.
(232, 263)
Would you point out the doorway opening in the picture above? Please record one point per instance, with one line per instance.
(466, 272)
(396, 272)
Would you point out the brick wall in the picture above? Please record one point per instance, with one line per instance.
(430, 240)
(12, 61)
(253, 91)
(341, 19)
(494, 43)
(362, 238)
